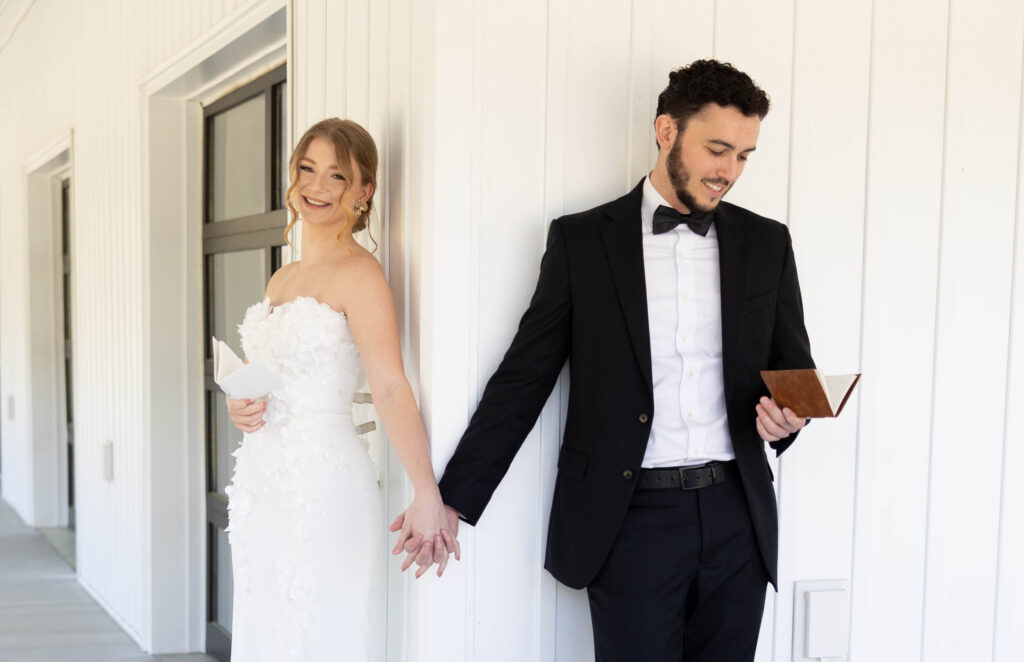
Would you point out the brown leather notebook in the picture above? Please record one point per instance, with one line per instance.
(808, 392)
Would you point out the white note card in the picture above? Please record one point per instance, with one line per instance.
(248, 381)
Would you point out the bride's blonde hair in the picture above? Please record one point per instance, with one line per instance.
(350, 141)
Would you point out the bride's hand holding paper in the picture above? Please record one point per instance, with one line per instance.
(247, 415)
(243, 383)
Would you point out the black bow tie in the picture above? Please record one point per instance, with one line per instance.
(666, 219)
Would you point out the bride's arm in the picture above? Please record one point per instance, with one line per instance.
(370, 309)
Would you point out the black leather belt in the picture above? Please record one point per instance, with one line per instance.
(687, 478)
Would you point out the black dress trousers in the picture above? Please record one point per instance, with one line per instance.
(684, 581)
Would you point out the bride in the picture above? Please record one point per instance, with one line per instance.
(305, 512)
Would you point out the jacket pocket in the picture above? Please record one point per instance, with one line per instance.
(572, 463)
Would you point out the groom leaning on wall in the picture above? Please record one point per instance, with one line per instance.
(667, 303)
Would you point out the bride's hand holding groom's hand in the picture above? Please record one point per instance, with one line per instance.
(423, 515)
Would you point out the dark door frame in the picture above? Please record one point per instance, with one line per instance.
(262, 230)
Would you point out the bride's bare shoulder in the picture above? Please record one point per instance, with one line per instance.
(358, 266)
(280, 277)
(359, 278)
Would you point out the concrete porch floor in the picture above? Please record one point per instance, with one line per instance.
(45, 615)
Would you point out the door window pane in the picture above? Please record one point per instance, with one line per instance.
(237, 280)
(227, 439)
(238, 166)
(225, 583)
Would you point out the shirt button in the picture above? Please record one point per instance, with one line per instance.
(690, 374)
(684, 297)
(643, 418)
(690, 415)
(627, 474)
(684, 338)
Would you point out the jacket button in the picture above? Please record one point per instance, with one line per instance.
(643, 418)
(627, 474)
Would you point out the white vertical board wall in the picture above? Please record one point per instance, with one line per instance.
(904, 191)
(975, 273)
(826, 185)
(1009, 627)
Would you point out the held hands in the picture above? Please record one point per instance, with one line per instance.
(430, 549)
(773, 423)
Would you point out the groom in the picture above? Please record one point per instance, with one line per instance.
(667, 303)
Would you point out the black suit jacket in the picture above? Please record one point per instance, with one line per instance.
(590, 306)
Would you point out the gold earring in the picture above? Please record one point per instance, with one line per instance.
(361, 207)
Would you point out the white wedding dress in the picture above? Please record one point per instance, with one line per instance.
(306, 520)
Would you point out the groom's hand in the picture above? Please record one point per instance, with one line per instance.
(450, 538)
(774, 423)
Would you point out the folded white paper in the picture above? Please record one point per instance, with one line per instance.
(248, 381)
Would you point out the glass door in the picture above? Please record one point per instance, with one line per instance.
(245, 176)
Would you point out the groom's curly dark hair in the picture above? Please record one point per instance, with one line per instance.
(699, 83)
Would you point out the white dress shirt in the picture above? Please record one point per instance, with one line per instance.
(684, 306)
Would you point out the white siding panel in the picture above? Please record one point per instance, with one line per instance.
(975, 271)
(338, 33)
(508, 229)
(900, 282)
(1009, 630)
(360, 35)
(597, 103)
(826, 213)
(757, 37)
(314, 45)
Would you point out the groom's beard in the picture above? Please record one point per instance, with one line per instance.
(679, 177)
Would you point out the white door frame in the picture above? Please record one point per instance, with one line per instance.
(248, 43)
(44, 172)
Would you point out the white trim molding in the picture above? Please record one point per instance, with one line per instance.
(48, 464)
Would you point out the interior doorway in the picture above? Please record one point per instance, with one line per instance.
(51, 357)
(62, 536)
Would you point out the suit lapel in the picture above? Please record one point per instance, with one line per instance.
(623, 241)
(733, 263)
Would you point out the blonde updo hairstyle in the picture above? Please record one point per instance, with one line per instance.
(350, 141)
